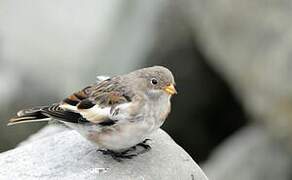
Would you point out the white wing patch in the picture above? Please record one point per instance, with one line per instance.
(101, 78)
(95, 114)
(68, 107)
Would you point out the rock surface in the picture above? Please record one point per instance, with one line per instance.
(57, 153)
(249, 154)
(249, 42)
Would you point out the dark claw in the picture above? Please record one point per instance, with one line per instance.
(143, 144)
(145, 141)
(118, 156)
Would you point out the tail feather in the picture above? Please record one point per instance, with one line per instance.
(29, 115)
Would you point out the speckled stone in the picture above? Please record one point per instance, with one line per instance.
(67, 155)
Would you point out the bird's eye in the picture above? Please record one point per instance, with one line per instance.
(154, 81)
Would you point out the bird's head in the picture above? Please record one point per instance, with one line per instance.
(154, 81)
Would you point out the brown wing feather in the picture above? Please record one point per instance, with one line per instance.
(77, 97)
(106, 94)
(79, 105)
(111, 92)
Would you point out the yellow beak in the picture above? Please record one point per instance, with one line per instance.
(170, 89)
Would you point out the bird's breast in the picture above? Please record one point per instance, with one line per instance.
(157, 111)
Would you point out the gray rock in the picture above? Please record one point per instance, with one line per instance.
(56, 153)
(249, 42)
(249, 154)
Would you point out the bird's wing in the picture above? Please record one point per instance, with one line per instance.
(100, 103)
(95, 103)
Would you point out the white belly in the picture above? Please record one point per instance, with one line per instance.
(117, 137)
(123, 136)
(126, 134)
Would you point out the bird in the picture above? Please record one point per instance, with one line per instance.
(115, 113)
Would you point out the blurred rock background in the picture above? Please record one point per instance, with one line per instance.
(231, 59)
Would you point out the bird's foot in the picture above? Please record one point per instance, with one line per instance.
(118, 156)
(144, 145)
(129, 153)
